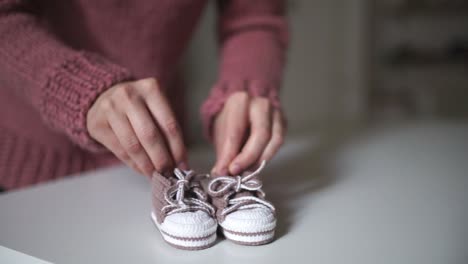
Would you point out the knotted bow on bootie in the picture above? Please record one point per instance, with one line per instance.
(229, 185)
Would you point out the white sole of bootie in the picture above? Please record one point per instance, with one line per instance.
(250, 238)
(185, 242)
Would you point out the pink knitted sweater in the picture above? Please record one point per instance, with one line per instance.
(57, 56)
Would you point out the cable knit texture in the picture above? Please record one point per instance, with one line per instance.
(71, 90)
(56, 57)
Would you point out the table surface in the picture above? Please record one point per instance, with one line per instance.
(11, 256)
(393, 194)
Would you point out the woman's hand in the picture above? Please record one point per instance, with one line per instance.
(246, 131)
(135, 122)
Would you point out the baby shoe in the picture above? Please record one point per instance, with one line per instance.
(181, 210)
(245, 217)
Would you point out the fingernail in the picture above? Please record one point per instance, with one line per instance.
(235, 169)
(183, 165)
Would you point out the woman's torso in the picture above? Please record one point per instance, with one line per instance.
(147, 37)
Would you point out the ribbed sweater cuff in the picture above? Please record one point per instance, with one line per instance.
(224, 88)
(71, 89)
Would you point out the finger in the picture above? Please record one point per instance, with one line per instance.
(107, 138)
(260, 119)
(149, 136)
(165, 117)
(277, 138)
(231, 131)
(130, 143)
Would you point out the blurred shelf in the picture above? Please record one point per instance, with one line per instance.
(423, 8)
(425, 62)
(455, 54)
(420, 56)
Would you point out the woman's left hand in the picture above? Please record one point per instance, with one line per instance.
(245, 132)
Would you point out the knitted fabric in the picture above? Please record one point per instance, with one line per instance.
(56, 57)
(244, 215)
(181, 210)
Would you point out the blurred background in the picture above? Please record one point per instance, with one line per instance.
(360, 61)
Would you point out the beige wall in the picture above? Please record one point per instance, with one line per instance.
(325, 76)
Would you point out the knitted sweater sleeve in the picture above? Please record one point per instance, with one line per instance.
(253, 37)
(61, 83)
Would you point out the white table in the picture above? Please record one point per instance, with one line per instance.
(392, 195)
(11, 256)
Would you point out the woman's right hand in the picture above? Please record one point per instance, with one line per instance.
(134, 121)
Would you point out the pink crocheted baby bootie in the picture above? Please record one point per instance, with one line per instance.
(182, 212)
(243, 214)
